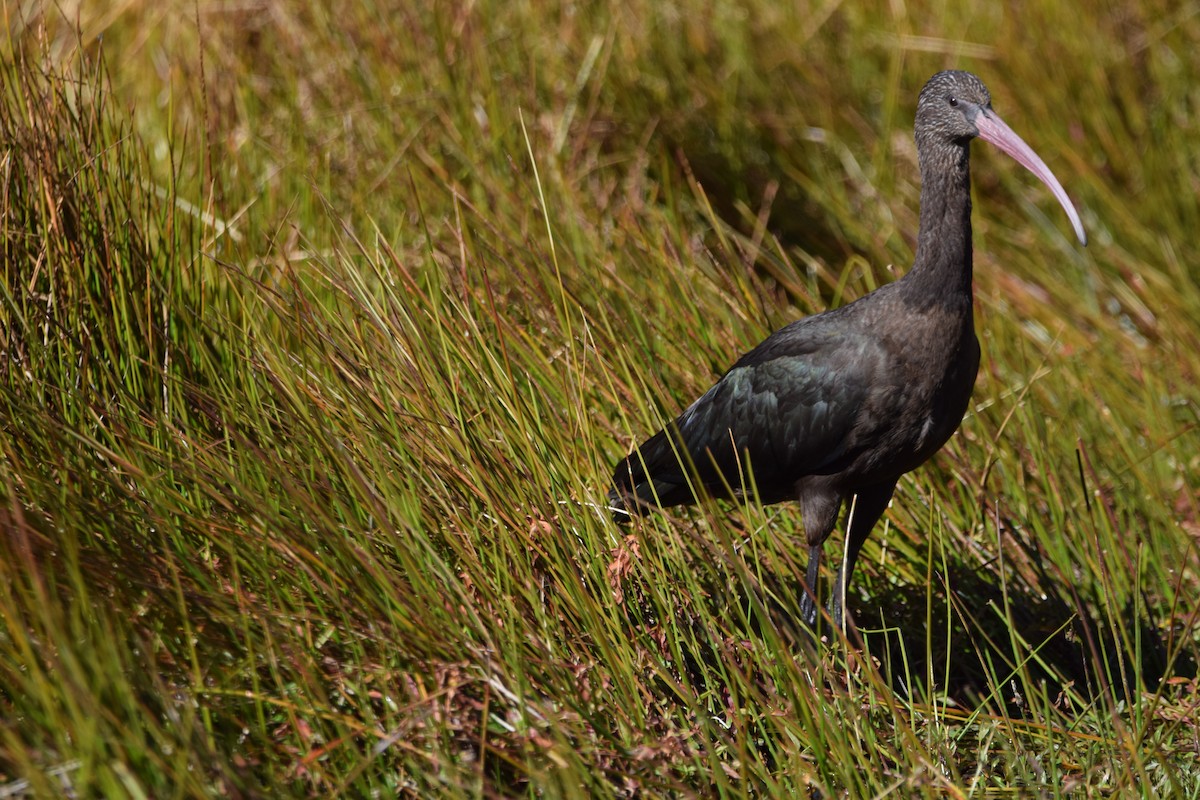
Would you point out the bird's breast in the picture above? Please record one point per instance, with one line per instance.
(930, 388)
(951, 397)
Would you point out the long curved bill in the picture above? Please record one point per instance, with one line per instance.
(993, 129)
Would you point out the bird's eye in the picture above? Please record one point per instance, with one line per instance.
(953, 101)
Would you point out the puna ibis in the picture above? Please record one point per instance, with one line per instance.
(832, 409)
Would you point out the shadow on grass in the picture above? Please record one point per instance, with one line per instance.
(989, 641)
(989, 637)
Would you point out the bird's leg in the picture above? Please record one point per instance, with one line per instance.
(820, 504)
(865, 510)
(808, 599)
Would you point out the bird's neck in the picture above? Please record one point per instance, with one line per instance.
(941, 272)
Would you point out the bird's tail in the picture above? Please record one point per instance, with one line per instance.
(649, 478)
(625, 501)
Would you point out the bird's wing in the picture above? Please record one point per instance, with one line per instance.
(790, 407)
(786, 409)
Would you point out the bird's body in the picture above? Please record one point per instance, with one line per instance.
(837, 406)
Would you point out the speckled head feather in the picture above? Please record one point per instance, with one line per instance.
(947, 108)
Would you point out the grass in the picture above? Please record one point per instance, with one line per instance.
(321, 331)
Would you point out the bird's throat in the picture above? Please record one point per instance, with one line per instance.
(942, 269)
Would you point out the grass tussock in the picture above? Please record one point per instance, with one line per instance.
(319, 333)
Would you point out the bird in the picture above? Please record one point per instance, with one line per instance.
(832, 409)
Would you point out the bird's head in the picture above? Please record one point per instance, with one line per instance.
(954, 108)
(949, 106)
